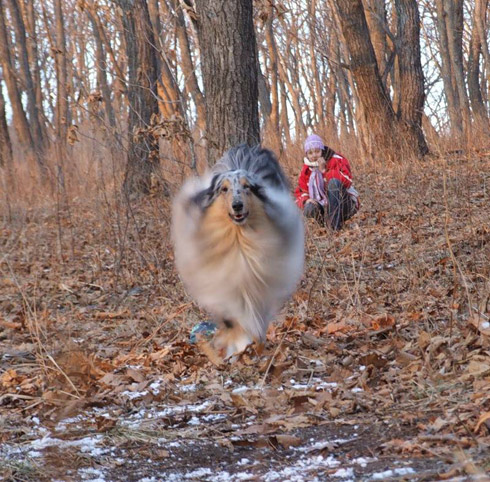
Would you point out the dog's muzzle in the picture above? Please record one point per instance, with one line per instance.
(238, 216)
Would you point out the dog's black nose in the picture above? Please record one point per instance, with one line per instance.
(237, 206)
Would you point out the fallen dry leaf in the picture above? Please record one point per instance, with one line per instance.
(484, 419)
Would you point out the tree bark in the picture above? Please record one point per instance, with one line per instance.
(453, 10)
(32, 106)
(283, 113)
(388, 137)
(188, 68)
(412, 94)
(171, 101)
(5, 142)
(379, 113)
(62, 112)
(100, 56)
(20, 121)
(450, 92)
(474, 89)
(377, 24)
(143, 150)
(264, 95)
(229, 67)
(318, 103)
(273, 120)
(33, 54)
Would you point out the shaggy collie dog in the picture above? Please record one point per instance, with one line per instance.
(239, 244)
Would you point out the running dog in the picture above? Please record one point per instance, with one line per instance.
(239, 244)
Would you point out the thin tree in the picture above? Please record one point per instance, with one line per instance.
(143, 150)
(20, 121)
(5, 142)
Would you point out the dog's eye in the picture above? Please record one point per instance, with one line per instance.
(224, 189)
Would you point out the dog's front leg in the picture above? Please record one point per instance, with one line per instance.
(231, 339)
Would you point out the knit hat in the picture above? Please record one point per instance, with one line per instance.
(313, 142)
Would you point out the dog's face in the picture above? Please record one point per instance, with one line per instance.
(234, 194)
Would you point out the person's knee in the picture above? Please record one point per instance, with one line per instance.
(310, 210)
(334, 185)
(313, 210)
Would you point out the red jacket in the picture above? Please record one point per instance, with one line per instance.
(338, 167)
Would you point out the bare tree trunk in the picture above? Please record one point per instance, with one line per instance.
(376, 104)
(143, 150)
(264, 95)
(5, 142)
(32, 107)
(294, 94)
(21, 123)
(229, 66)
(474, 90)
(33, 54)
(62, 112)
(453, 10)
(481, 13)
(170, 99)
(331, 123)
(318, 103)
(284, 114)
(100, 56)
(450, 92)
(272, 49)
(376, 20)
(389, 136)
(187, 65)
(412, 92)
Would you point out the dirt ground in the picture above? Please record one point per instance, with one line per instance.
(379, 368)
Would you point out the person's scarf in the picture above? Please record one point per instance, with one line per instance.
(316, 187)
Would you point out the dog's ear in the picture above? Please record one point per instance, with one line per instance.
(257, 190)
(203, 199)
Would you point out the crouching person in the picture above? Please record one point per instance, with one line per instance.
(325, 190)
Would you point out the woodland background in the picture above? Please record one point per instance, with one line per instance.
(380, 362)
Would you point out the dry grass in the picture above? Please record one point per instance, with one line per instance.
(87, 287)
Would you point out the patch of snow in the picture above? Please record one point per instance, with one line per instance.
(91, 474)
(214, 417)
(135, 419)
(192, 387)
(344, 473)
(363, 461)
(241, 389)
(34, 448)
(134, 395)
(298, 471)
(194, 421)
(315, 383)
(34, 454)
(392, 473)
(198, 474)
(320, 445)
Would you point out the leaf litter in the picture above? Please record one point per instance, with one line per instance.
(379, 369)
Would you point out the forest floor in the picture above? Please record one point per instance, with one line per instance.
(378, 370)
